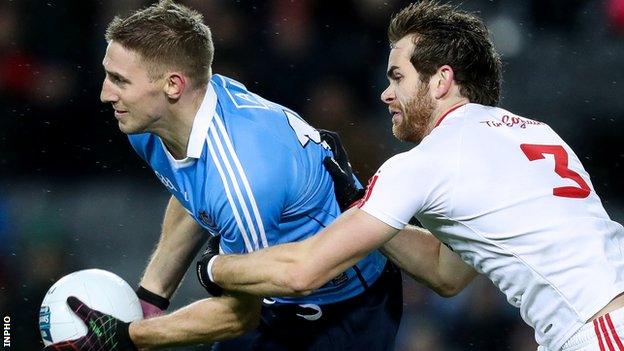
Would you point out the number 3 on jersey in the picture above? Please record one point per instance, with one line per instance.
(536, 152)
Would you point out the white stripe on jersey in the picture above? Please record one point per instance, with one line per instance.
(237, 218)
(243, 176)
(237, 189)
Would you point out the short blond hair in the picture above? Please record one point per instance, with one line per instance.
(167, 36)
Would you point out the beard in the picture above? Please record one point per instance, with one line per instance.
(417, 114)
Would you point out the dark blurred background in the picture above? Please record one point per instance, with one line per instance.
(73, 194)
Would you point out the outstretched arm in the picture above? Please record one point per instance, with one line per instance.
(206, 320)
(426, 259)
(299, 268)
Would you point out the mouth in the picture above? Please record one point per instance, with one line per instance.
(397, 116)
(120, 113)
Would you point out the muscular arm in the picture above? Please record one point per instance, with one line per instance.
(299, 268)
(206, 320)
(180, 241)
(427, 260)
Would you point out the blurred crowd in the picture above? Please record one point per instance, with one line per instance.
(74, 195)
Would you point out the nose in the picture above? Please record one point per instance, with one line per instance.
(388, 96)
(108, 94)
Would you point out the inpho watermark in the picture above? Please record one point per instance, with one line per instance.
(6, 331)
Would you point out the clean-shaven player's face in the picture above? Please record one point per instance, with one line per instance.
(137, 99)
(407, 97)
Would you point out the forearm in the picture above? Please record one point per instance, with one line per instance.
(204, 321)
(300, 268)
(426, 259)
(416, 252)
(269, 272)
(179, 243)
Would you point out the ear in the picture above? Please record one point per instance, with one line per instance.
(175, 84)
(442, 81)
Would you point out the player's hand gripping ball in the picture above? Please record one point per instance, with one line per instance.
(104, 332)
(62, 318)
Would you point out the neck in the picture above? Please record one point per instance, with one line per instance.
(176, 130)
(443, 108)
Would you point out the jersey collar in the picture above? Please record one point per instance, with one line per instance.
(201, 123)
(447, 113)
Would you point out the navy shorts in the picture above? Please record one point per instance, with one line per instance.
(368, 321)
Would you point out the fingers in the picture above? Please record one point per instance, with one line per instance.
(63, 346)
(213, 243)
(332, 167)
(334, 142)
(79, 308)
(331, 138)
(328, 134)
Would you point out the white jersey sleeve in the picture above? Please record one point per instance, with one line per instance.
(390, 196)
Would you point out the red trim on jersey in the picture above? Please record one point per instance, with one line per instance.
(598, 335)
(446, 114)
(369, 190)
(616, 337)
(606, 334)
(355, 203)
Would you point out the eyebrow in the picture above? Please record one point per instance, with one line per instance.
(391, 70)
(115, 74)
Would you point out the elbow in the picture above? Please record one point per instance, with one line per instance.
(244, 321)
(244, 324)
(452, 286)
(251, 319)
(447, 292)
(237, 329)
(301, 281)
(447, 289)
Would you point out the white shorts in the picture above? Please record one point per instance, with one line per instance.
(602, 334)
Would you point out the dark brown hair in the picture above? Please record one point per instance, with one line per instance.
(167, 36)
(445, 35)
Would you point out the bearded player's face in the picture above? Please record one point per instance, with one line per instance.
(137, 98)
(407, 97)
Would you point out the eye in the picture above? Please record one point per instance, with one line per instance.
(115, 79)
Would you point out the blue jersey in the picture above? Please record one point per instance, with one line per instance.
(254, 175)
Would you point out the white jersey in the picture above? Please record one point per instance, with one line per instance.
(513, 200)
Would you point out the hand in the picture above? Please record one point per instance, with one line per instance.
(212, 250)
(152, 304)
(104, 332)
(345, 187)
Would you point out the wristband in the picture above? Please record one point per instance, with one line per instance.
(152, 298)
(205, 279)
(209, 268)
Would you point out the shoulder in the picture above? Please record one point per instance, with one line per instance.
(489, 119)
(233, 94)
(141, 142)
(420, 165)
(139, 138)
